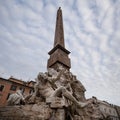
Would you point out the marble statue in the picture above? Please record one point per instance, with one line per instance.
(63, 93)
(61, 90)
(16, 98)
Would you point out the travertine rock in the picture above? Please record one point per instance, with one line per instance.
(26, 112)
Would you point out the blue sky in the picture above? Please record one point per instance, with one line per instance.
(92, 34)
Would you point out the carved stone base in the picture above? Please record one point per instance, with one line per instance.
(56, 102)
(26, 112)
(31, 112)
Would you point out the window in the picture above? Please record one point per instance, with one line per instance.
(114, 112)
(13, 87)
(1, 87)
(110, 110)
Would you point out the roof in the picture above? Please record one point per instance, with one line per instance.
(20, 82)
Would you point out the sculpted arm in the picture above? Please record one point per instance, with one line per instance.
(68, 87)
(36, 90)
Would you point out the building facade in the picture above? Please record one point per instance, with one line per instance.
(11, 85)
(108, 110)
(117, 110)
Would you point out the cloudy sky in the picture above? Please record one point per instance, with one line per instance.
(92, 34)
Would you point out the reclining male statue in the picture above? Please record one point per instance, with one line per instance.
(45, 88)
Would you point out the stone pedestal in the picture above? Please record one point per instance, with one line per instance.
(32, 112)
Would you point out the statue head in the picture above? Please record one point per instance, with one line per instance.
(51, 72)
(42, 77)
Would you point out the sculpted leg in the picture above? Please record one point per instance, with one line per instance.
(70, 97)
(62, 91)
(58, 92)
